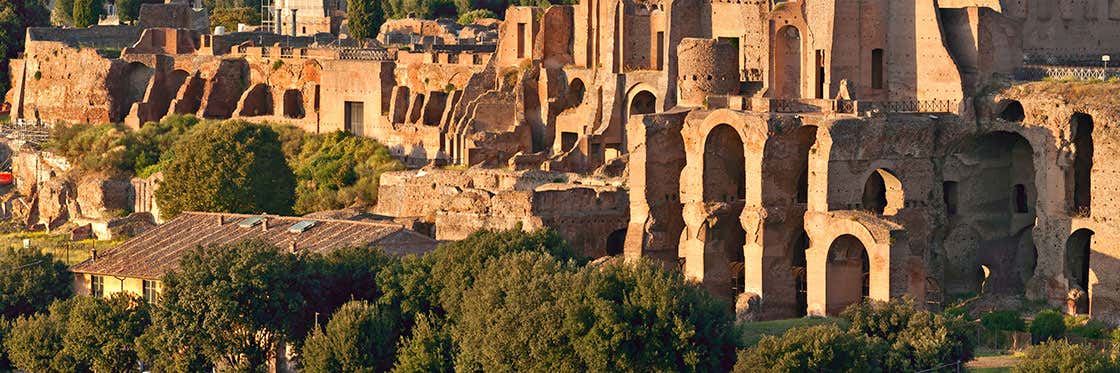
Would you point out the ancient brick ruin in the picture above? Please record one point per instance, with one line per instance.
(796, 156)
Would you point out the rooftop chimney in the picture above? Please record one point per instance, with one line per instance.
(221, 220)
(93, 253)
(292, 247)
(264, 225)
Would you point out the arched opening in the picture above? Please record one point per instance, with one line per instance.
(191, 98)
(787, 63)
(1012, 111)
(882, 193)
(806, 137)
(136, 79)
(724, 165)
(643, 103)
(293, 103)
(575, 93)
(996, 179)
(615, 242)
(848, 273)
(1082, 127)
(798, 267)
(724, 260)
(257, 102)
(1078, 252)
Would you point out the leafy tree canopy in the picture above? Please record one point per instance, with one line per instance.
(86, 12)
(230, 166)
(32, 280)
(361, 337)
(339, 169)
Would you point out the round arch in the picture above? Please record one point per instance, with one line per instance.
(1077, 258)
(640, 99)
(724, 175)
(883, 193)
(848, 270)
(787, 60)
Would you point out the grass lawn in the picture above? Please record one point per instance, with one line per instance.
(752, 332)
(70, 252)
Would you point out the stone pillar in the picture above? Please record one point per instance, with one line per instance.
(278, 27)
(294, 29)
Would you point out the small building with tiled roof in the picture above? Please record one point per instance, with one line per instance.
(137, 265)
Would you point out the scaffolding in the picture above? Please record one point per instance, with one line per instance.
(268, 16)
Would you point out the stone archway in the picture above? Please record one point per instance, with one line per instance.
(724, 165)
(1078, 252)
(616, 242)
(883, 193)
(257, 101)
(787, 63)
(644, 102)
(293, 104)
(995, 177)
(574, 95)
(848, 273)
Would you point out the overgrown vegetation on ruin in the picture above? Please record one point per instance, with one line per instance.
(331, 171)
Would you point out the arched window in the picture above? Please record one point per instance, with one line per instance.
(724, 165)
(1082, 127)
(848, 273)
(643, 103)
(882, 193)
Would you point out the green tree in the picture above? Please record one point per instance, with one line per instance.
(1047, 325)
(338, 170)
(86, 13)
(455, 265)
(103, 332)
(513, 293)
(80, 334)
(34, 344)
(1061, 356)
(128, 10)
(15, 18)
(32, 280)
(230, 17)
(428, 349)
(361, 337)
(617, 317)
(364, 18)
(62, 13)
(230, 166)
(231, 303)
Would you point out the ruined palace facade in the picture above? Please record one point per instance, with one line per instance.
(795, 156)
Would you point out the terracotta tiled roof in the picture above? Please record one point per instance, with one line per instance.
(157, 250)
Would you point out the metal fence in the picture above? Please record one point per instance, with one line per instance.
(1040, 72)
(365, 54)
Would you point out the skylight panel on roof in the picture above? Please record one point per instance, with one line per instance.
(250, 221)
(301, 226)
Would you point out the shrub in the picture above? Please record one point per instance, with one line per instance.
(339, 170)
(1086, 328)
(894, 337)
(231, 166)
(1004, 321)
(1047, 325)
(819, 348)
(230, 17)
(1061, 356)
(470, 17)
(359, 338)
